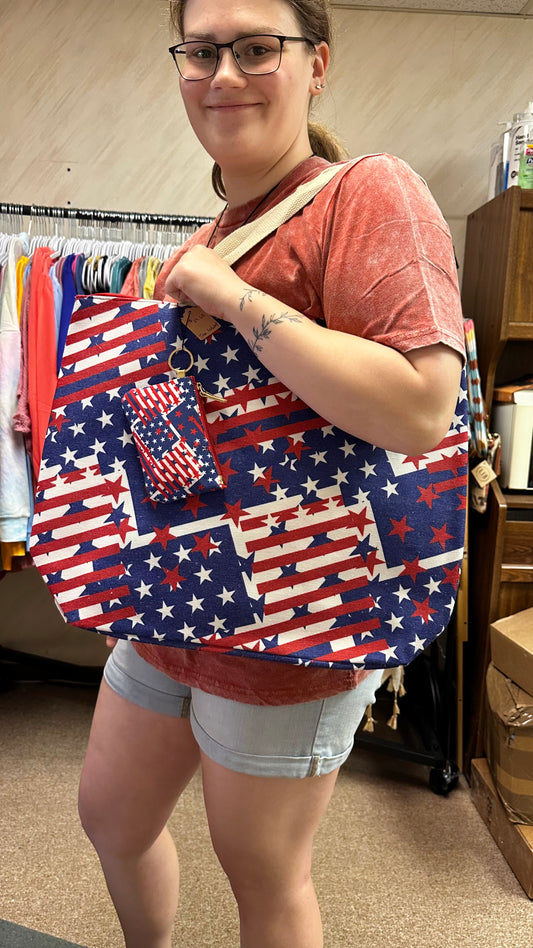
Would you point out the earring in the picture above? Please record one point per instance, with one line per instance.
(320, 85)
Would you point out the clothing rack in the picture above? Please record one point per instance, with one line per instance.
(99, 215)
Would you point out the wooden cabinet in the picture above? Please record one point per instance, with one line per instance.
(497, 293)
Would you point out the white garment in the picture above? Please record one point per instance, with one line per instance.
(15, 504)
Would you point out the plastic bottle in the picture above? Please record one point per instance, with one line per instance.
(525, 172)
(520, 133)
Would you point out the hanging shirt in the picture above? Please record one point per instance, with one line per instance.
(42, 357)
(14, 487)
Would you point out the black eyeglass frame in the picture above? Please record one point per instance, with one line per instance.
(219, 46)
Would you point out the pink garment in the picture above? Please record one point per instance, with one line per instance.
(42, 368)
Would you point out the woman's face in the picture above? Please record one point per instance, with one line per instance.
(251, 124)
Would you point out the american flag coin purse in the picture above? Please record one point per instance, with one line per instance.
(169, 429)
(321, 549)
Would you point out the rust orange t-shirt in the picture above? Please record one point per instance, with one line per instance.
(372, 256)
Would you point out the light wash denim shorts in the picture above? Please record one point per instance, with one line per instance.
(296, 740)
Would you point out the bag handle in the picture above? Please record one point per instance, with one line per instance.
(241, 240)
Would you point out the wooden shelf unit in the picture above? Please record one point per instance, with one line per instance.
(497, 293)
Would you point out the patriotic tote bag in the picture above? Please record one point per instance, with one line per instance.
(189, 498)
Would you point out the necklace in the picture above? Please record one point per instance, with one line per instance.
(250, 215)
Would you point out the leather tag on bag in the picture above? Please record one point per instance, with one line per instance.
(200, 323)
(483, 473)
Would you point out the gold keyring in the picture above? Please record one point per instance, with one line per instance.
(181, 372)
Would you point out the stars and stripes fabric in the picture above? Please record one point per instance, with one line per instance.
(320, 549)
(170, 433)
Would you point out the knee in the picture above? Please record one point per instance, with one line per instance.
(267, 875)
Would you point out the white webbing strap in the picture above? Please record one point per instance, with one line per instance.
(242, 240)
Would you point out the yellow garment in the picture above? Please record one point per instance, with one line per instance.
(22, 263)
(9, 550)
(152, 272)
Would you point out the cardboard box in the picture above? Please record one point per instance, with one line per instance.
(509, 744)
(514, 840)
(511, 642)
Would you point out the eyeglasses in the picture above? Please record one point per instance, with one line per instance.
(256, 55)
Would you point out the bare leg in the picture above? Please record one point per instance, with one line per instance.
(137, 764)
(262, 830)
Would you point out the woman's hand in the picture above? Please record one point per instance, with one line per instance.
(203, 278)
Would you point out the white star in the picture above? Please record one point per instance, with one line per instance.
(218, 624)
(257, 471)
(389, 652)
(87, 402)
(118, 466)
(105, 419)
(222, 383)
(267, 446)
(433, 585)
(187, 631)
(362, 496)
(390, 488)
(450, 605)
(113, 393)
(153, 562)
(309, 485)
(395, 622)
(158, 636)
(418, 644)
(402, 594)
(341, 477)
(348, 448)
(226, 595)
(204, 574)
(281, 492)
(195, 603)
(98, 447)
(69, 455)
(136, 619)
(251, 374)
(78, 429)
(319, 457)
(327, 430)
(230, 355)
(201, 363)
(368, 469)
(165, 610)
(183, 554)
(126, 438)
(143, 589)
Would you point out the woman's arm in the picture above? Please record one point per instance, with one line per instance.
(403, 403)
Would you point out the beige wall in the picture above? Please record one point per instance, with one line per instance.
(90, 115)
(90, 112)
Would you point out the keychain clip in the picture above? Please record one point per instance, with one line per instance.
(182, 373)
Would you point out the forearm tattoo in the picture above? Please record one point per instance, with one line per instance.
(259, 335)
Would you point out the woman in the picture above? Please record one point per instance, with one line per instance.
(371, 258)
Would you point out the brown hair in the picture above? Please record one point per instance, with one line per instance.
(314, 19)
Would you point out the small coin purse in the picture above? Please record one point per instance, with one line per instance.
(169, 429)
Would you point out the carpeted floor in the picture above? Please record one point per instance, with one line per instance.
(396, 866)
(17, 936)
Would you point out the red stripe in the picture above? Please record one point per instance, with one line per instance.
(68, 497)
(67, 519)
(279, 539)
(136, 376)
(266, 434)
(93, 577)
(332, 547)
(85, 353)
(78, 558)
(105, 596)
(296, 579)
(452, 484)
(355, 628)
(99, 367)
(352, 652)
(267, 631)
(322, 594)
(76, 539)
(94, 622)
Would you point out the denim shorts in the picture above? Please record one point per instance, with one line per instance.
(296, 740)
